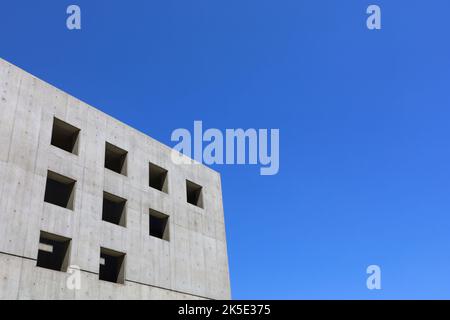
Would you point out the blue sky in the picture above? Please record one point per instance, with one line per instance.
(363, 117)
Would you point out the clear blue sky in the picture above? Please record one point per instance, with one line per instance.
(363, 117)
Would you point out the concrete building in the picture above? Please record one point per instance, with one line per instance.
(79, 189)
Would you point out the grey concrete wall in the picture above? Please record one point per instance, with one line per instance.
(193, 264)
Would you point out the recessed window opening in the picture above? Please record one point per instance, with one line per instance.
(60, 190)
(54, 252)
(158, 178)
(159, 225)
(114, 209)
(65, 136)
(116, 159)
(194, 194)
(112, 266)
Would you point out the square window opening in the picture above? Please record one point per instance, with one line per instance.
(194, 194)
(65, 136)
(54, 252)
(112, 266)
(114, 209)
(116, 159)
(60, 190)
(159, 225)
(158, 178)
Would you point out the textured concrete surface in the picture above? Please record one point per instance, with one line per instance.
(193, 264)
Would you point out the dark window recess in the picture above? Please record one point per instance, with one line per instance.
(59, 190)
(54, 252)
(158, 178)
(65, 136)
(194, 194)
(116, 159)
(112, 266)
(114, 209)
(159, 225)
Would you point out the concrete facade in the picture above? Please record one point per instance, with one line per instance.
(189, 263)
